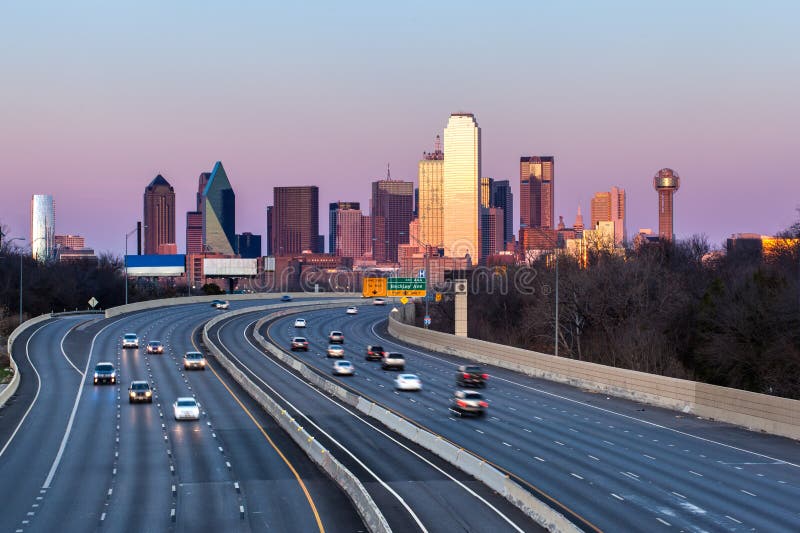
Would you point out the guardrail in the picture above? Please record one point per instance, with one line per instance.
(496, 480)
(758, 412)
(183, 300)
(12, 386)
(366, 507)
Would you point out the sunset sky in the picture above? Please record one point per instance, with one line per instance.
(99, 97)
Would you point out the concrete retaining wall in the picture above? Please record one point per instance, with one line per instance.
(479, 469)
(183, 300)
(366, 507)
(758, 412)
(12, 386)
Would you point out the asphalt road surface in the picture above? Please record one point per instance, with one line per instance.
(80, 457)
(605, 463)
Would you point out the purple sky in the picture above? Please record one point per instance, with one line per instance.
(99, 98)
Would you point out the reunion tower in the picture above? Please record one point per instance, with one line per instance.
(666, 182)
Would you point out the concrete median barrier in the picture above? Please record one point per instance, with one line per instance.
(365, 505)
(184, 300)
(12, 386)
(496, 480)
(757, 412)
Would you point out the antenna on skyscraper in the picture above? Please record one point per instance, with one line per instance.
(437, 145)
(388, 173)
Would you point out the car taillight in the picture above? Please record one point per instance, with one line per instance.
(483, 404)
(465, 375)
(485, 376)
(461, 403)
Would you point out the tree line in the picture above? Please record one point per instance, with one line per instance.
(674, 309)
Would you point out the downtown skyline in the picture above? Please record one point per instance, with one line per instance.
(619, 103)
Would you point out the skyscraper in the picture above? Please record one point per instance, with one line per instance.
(218, 207)
(333, 209)
(43, 227)
(461, 229)
(159, 215)
(295, 220)
(492, 229)
(666, 182)
(487, 188)
(610, 207)
(248, 246)
(430, 176)
(270, 251)
(349, 240)
(537, 192)
(504, 199)
(194, 232)
(392, 210)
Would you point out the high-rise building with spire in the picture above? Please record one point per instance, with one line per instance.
(431, 196)
(159, 215)
(578, 225)
(461, 228)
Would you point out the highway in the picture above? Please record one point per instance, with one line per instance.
(79, 457)
(415, 490)
(605, 463)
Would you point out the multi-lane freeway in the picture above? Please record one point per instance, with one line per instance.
(606, 464)
(79, 457)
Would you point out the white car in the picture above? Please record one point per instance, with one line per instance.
(352, 310)
(220, 304)
(300, 323)
(186, 408)
(408, 382)
(130, 340)
(378, 301)
(343, 368)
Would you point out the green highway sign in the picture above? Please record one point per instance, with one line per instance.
(405, 287)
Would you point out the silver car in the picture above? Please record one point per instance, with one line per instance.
(343, 368)
(335, 350)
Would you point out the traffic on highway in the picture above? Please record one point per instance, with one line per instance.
(136, 426)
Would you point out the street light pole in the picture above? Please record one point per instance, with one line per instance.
(134, 230)
(556, 332)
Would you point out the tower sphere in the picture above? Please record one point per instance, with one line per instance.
(666, 178)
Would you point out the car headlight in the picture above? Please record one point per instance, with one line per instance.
(148, 393)
(96, 375)
(133, 394)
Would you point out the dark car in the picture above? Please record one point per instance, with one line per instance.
(104, 373)
(471, 376)
(155, 347)
(299, 343)
(286, 298)
(139, 391)
(467, 402)
(374, 352)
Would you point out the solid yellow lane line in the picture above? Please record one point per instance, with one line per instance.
(271, 442)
